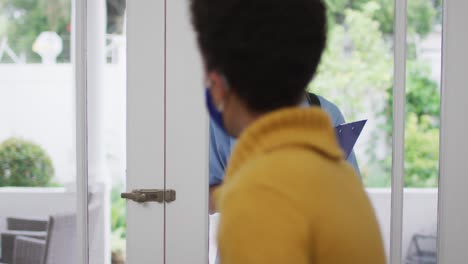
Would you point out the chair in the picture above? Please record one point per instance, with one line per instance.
(422, 250)
(27, 249)
(55, 245)
(59, 245)
(8, 241)
(30, 224)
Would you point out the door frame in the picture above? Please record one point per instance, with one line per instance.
(79, 60)
(398, 127)
(453, 212)
(453, 183)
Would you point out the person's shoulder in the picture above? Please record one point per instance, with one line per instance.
(277, 173)
(332, 109)
(328, 105)
(296, 174)
(218, 134)
(276, 169)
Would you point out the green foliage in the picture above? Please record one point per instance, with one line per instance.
(422, 95)
(335, 9)
(118, 221)
(421, 152)
(421, 16)
(23, 163)
(356, 66)
(28, 18)
(422, 127)
(421, 13)
(356, 73)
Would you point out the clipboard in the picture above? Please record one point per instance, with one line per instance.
(348, 135)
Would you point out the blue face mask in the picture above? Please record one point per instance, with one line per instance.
(215, 114)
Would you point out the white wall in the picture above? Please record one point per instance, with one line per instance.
(37, 103)
(419, 213)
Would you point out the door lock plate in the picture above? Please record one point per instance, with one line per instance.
(150, 195)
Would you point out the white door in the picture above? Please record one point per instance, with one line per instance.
(145, 128)
(187, 141)
(166, 135)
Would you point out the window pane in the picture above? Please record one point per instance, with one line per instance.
(356, 74)
(37, 132)
(107, 130)
(422, 130)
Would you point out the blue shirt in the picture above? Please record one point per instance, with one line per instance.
(222, 144)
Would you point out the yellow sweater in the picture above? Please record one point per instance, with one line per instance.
(290, 197)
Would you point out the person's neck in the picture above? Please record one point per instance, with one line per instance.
(245, 120)
(245, 117)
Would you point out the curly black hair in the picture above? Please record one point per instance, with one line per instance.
(268, 50)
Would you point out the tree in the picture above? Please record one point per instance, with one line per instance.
(28, 18)
(421, 13)
(356, 66)
(421, 130)
(421, 151)
(356, 74)
(21, 21)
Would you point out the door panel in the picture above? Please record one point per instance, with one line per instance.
(167, 138)
(187, 217)
(145, 128)
(453, 216)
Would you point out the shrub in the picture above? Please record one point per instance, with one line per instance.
(23, 163)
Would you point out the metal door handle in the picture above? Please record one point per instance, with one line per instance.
(150, 195)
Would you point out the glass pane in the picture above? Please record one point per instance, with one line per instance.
(116, 133)
(356, 74)
(422, 131)
(37, 132)
(115, 116)
(107, 131)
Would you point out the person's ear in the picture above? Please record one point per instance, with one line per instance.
(218, 88)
